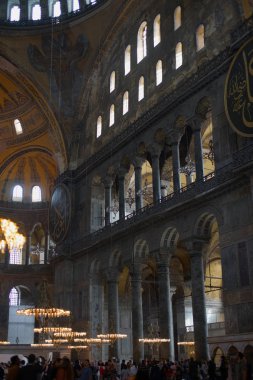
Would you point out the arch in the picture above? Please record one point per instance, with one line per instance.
(159, 72)
(200, 37)
(202, 225)
(17, 193)
(232, 351)
(177, 17)
(204, 106)
(217, 354)
(125, 102)
(142, 41)
(112, 81)
(95, 266)
(179, 55)
(169, 238)
(112, 115)
(127, 59)
(141, 249)
(36, 11)
(36, 194)
(99, 126)
(141, 89)
(14, 297)
(157, 30)
(115, 258)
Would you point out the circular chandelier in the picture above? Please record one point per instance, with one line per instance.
(47, 312)
(112, 337)
(154, 340)
(70, 334)
(187, 343)
(9, 236)
(51, 329)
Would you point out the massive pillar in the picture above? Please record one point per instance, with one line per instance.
(113, 310)
(138, 183)
(108, 199)
(137, 314)
(165, 308)
(196, 126)
(44, 9)
(176, 165)
(4, 313)
(121, 176)
(23, 10)
(198, 302)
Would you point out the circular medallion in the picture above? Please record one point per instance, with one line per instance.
(238, 96)
(60, 213)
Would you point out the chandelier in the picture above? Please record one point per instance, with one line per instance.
(189, 168)
(4, 343)
(112, 337)
(44, 312)
(51, 329)
(154, 340)
(186, 343)
(9, 236)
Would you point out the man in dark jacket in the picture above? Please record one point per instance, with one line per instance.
(31, 370)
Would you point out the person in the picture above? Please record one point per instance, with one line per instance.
(241, 367)
(14, 369)
(32, 370)
(86, 373)
(1, 371)
(65, 370)
(223, 368)
(211, 370)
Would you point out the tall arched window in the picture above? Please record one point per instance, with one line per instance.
(18, 127)
(112, 115)
(36, 12)
(112, 81)
(142, 42)
(17, 195)
(179, 55)
(141, 89)
(125, 102)
(15, 13)
(177, 18)
(14, 297)
(157, 30)
(75, 5)
(127, 59)
(159, 72)
(200, 37)
(99, 126)
(36, 194)
(56, 8)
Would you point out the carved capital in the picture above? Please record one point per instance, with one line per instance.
(196, 123)
(138, 162)
(107, 181)
(174, 137)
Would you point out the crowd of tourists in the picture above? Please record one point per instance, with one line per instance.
(63, 369)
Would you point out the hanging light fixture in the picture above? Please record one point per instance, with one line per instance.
(9, 236)
(154, 340)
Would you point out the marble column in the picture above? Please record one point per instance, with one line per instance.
(138, 184)
(108, 200)
(165, 310)
(137, 315)
(28, 249)
(156, 177)
(113, 310)
(198, 149)
(199, 303)
(176, 165)
(96, 298)
(121, 176)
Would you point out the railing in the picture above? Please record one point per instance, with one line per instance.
(211, 326)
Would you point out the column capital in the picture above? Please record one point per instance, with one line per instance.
(138, 162)
(174, 137)
(122, 172)
(155, 150)
(107, 181)
(112, 275)
(195, 247)
(196, 123)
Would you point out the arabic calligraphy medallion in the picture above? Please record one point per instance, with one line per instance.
(60, 213)
(238, 96)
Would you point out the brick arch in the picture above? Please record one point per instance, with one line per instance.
(204, 221)
(141, 249)
(169, 238)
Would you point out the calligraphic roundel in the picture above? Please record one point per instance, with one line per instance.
(60, 213)
(238, 96)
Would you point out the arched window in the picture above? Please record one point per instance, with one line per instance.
(159, 72)
(56, 8)
(179, 55)
(125, 102)
(36, 194)
(141, 89)
(157, 30)
(36, 12)
(142, 42)
(99, 126)
(112, 81)
(14, 297)
(75, 5)
(112, 115)
(18, 127)
(15, 13)
(17, 195)
(177, 18)
(127, 59)
(200, 37)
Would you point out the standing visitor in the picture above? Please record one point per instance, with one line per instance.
(14, 370)
(86, 373)
(65, 370)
